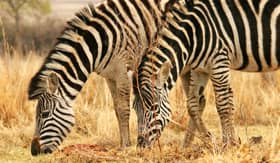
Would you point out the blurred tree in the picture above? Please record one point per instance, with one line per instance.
(17, 8)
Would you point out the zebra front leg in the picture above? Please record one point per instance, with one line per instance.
(224, 100)
(191, 128)
(121, 105)
(195, 84)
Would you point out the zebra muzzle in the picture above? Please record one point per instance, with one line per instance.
(35, 147)
(142, 142)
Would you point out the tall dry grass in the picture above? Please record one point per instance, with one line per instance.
(257, 114)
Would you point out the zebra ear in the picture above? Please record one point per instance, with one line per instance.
(163, 74)
(52, 83)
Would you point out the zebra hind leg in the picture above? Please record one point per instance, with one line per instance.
(194, 85)
(224, 101)
(121, 99)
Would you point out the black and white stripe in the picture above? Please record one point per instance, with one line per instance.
(105, 39)
(209, 38)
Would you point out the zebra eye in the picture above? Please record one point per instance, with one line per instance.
(45, 114)
(154, 106)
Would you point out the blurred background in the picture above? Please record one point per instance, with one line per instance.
(34, 24)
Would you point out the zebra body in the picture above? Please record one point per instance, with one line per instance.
(203, 41)
(105, 39)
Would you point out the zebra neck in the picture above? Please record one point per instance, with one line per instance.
(71, 71)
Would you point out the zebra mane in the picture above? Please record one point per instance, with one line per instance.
(81, 17)
(86, 11)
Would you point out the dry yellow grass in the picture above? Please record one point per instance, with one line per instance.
(257, 114)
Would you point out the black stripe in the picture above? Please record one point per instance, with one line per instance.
(53, 141)
(159, 57)
(52, 131)
(66, 114)
(225, 23)
(143, 20)
(253, 32)
(81, 75)
(278, 40)
(206, 38)
(266, 20)
(50, 126)
(64, 121)
(49, 130)
(103, 9)
(214, 25)
(65, 90)
(191, 34)
(62, 125)
(111, 28)
(104, 38)
(178, 51)
(151, 66)
(127, 10)
(51, 137)
(152, 11)
(241, 32)
(68, 81)
(188, 29)
(199, 37)
(89, 38)
(67, 67)
(181, 35)
(114, 7)
(80, 52)
(256, 4)
(157, 2)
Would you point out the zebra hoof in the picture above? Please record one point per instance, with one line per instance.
(231, 143)
(125, 145)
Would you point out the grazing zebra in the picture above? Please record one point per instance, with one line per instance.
(105, 39)
(208, 37)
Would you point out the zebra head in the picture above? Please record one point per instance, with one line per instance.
(151, 105)
(54, 116)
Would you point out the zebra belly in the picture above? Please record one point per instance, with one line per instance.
(252, 65)
(114, 70)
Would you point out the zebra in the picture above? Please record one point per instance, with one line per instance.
(202, 41)
(106, 39)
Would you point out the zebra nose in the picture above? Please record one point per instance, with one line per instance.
(141, 141)
(35, 147)
(47, 150)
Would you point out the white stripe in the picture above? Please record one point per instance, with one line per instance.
(273, 26)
